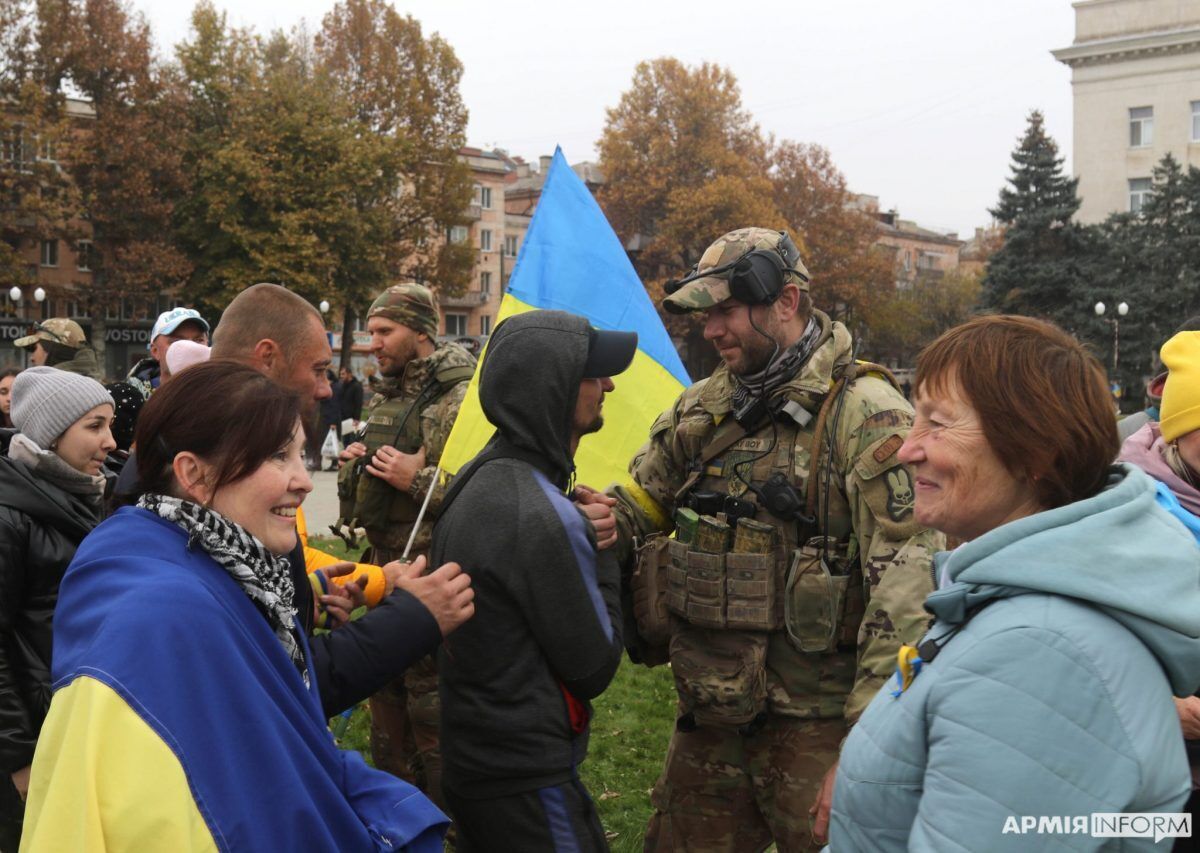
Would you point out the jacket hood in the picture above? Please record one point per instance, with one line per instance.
(1118, 551)
(84, 363)
(23, 490)
(530, 381)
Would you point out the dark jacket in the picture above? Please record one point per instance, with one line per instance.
(545, 637)
(350, 399)
(352, 662)
(41, 525)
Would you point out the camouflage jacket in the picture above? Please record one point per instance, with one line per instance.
(869, 512)
(436, 422)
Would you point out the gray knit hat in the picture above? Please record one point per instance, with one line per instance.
(46, 401)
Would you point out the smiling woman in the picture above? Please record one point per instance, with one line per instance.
(179, 653)
(1064, 622)
(50, 494)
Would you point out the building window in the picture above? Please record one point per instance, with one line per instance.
(485, 324)
(459, 234)
(47, 150)
(112, 310)
(510, 246)
(485, 282)
(83, 255)
(1139, 191)
(483, 196)
(456, 325)
(73, 308)
(1141, 127)
(49, 253)
(485, 240)
(1195, 121)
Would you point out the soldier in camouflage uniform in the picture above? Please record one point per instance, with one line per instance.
(777, 637)
(391, 469)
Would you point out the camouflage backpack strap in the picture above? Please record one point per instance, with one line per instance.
(847, 375)
(854, 603)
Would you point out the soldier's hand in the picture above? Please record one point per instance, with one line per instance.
(597, 508)
(822, 805)
(395, 468)
(351, 451)
(396, 571)
(20, 780)
(446, 594)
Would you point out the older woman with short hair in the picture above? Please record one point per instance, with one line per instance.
(1063, 624)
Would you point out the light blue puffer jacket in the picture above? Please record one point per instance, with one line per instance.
(1054, 697)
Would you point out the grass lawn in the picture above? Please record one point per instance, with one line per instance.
(631, 727)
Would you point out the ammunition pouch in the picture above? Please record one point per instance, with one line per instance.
(720, 676)
(649, 593)
(734, 590)
(822, 606)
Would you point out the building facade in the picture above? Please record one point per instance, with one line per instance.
(1135, 74)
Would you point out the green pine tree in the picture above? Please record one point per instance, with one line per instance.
(1038, 270)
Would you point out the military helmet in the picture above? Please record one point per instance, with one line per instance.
(763, 260)
(410, 304)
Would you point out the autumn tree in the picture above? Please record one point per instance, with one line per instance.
(683, 163)
(905, 320)
(848, 275)
(40, 202)
(125, 164)
(402, 89)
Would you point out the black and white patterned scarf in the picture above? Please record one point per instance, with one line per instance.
(781, 369)
(266, 578)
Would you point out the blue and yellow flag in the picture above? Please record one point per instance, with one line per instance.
(573, 261)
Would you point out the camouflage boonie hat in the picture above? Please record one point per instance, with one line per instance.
(706, 291)
(56, 330)
(412, 305)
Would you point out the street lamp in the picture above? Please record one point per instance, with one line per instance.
(324, 306)
(1122, 310)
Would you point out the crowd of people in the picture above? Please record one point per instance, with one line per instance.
(890, 626)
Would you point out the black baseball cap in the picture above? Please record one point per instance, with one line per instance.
(609, 353)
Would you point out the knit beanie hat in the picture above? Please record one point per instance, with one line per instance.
(46, 401)
(1179, 413)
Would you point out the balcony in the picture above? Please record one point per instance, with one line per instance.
(473, 212)
(468, 299)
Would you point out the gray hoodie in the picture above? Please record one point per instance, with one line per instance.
(545, 638)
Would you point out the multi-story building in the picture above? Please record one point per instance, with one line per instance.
(58, 279)
(1135, 72)
(920, 253)
(507, 190)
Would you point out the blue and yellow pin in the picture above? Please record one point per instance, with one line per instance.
(908, 667)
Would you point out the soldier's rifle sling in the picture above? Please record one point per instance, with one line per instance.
(412, 537)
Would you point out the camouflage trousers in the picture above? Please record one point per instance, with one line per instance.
(405, 717)
(404, 729)
(720, 791)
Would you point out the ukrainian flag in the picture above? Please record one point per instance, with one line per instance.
(572, 261)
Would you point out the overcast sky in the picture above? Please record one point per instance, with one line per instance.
(920, 102)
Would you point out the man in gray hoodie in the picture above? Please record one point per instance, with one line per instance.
(546, 638)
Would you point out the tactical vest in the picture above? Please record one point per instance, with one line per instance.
(760, 612)
(387, 513)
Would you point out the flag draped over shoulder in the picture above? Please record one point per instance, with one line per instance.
(573, 261)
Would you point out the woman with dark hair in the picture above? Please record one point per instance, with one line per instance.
(6, 383)
(1064, 622)
(186, 714)
(50, 498)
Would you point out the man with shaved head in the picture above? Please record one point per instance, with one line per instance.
(275, 331)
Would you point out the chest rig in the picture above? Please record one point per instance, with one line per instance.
(763, 562)
(385, 512)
